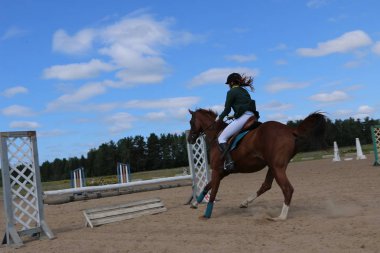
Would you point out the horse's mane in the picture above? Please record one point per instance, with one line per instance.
(207, 111)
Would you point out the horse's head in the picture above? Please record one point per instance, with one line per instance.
(202, 121)
(195, 128)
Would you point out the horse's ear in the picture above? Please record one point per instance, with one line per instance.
(190, 111)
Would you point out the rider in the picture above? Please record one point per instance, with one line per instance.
(240, 101)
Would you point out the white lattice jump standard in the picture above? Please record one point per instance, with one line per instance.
(376, 143)
(78, 178)
(199, 167)
(123, 173)
(24, 212)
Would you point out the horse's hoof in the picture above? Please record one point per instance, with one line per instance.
(193, 206)
(203, 218)
(243, 205)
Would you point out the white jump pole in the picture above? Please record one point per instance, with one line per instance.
(116, 186)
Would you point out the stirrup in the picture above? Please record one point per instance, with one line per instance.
(229, 167)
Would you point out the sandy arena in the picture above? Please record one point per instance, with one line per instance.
(335, 208)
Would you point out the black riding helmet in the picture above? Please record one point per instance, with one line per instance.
(234, 77)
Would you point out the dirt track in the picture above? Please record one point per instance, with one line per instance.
(335, 208)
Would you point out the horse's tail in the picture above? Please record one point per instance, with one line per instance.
(310, 133)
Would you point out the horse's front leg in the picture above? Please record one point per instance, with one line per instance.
(267, 185)
(216, 177)
(201, 196)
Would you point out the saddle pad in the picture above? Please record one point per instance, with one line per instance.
(238, 138)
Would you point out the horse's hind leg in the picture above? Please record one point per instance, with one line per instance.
(287, 189)
(264, 187)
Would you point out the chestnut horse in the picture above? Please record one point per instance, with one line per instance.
(272, 144)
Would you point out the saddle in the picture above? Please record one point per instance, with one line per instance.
(251, 124)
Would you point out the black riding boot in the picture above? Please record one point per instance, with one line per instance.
(229, 163)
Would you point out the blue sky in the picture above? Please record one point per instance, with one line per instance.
(82, 73)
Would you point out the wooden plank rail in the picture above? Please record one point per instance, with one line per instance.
(104, 215)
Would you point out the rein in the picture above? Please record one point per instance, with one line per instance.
(204, 130)
(212, 124)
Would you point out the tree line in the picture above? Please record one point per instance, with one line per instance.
(141, 154)
(170, 151)
(345, 131)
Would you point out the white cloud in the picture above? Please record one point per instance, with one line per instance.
(242, 30)
(217, 108)
(279, 47)
(352, 64)
(241, 58)
(279, 85)
(52, 133)
(120, 122)
(165, 103)
(17, 110)
(330, 97)
(316, 3)
(24, 124)
(343, 113)
(72, 99)
(362, 112)
(280, 117)
(343, 44)
(77, 70)
(155, 116)
(281, 62)
(133, 44)
(77, 44)
(179, 113)
(276, 106)
(219, 75)
(376, 48)
(144, 71)
(365, 109)
(354, 87)
(13, 32)
(338, 18)
(14, 91)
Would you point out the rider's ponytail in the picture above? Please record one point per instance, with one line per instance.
(247, 81)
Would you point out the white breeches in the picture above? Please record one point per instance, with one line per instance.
(234, 127)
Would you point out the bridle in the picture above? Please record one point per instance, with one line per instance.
(204, 130)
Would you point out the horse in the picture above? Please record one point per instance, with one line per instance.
(271, 144)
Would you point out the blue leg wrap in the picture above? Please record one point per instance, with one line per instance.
(208, 212)
(201, 196)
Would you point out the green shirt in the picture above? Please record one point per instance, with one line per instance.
(239, 100)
